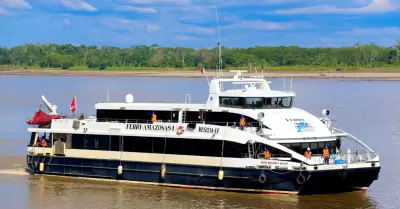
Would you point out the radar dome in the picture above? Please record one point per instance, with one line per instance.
(129, 98)
(325, 112)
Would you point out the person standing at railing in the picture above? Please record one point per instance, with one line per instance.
(325, 155)
(267, 154)
(307, 153)
(153, 117)
(242, 123)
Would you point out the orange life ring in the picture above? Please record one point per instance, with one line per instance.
(180, 130)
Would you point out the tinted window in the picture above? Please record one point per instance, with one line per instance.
(177, 146)
(254, 102)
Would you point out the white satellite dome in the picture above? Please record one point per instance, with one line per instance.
(129, 98)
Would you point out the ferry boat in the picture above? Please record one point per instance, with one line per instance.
(206, 146)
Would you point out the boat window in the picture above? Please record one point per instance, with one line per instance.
(284, 102)
(296, 147)
(236, 102)
(135, 116)
(253, 102)
(271, 102)
(176, 146)
(256, 102)
(315, 147)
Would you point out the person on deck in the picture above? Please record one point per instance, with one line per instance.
(280, 104)
(325, 155)
(242, 122)
(43, 142)
(267, 154)
(307, 153)
(153, 117)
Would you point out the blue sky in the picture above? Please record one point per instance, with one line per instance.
(192, 23)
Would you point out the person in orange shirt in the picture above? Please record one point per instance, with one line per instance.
(325, 155)
(307, 153)
(242, 122)
(153, 117)
(267, 154)
(43, 142)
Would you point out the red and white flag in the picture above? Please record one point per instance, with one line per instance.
(73, 105)
(202, 71)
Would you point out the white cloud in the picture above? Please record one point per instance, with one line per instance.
(262, 25)
(3, 12)
(135, 9)
(15, 4)
(130, 25)
(150, 28)
(387, 31)
(186, 38)
(376, 6)
(201, 30)
(78, 5)
(186, 2)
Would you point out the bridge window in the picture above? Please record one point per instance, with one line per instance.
(256, 102)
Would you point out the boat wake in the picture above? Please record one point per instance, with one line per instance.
(19, 171)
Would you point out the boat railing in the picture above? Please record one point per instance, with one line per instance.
(349, 156)
(249, 126)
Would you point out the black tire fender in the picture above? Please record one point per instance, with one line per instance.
(301, 179)
(262, 178)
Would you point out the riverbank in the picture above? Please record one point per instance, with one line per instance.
(393, 74)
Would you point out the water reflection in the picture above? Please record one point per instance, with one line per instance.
(61, 192)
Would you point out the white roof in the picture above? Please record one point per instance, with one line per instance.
(148, 106)
(256, 93)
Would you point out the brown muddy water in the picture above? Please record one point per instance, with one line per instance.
(367, 109)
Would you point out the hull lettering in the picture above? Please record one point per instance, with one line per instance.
(150, 127)
(209, 130)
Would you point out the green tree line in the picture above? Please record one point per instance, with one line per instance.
(50, 55)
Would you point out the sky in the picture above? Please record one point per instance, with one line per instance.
(193, 23)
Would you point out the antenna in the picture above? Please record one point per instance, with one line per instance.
(284, 83)
(291, 83)
(108, 100)
(219, 47)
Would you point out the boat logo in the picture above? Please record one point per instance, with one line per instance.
(303, 127)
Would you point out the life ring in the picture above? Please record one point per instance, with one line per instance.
(301, 179)
(180, 130)
(262, 178)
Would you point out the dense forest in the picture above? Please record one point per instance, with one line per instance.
(50, 55)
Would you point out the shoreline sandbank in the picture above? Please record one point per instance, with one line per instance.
(385, 75)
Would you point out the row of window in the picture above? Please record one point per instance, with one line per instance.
(315, 147)
(177, 146)
(256, 102)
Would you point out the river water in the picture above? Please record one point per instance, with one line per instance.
(367, 109)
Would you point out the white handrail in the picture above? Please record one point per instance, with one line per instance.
(354, 138)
